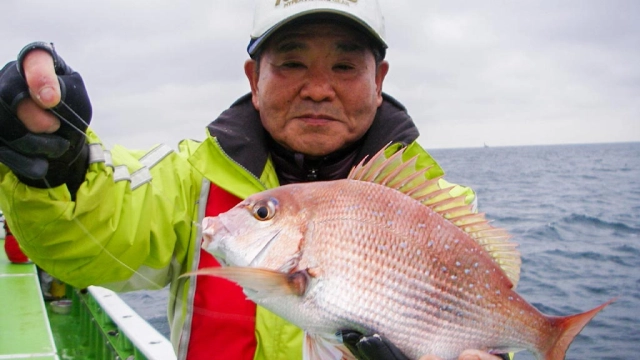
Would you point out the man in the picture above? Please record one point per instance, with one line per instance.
(129, 220)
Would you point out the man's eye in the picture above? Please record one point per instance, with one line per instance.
(292, 65)
(343, 67)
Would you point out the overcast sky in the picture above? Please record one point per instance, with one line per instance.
(470, 72)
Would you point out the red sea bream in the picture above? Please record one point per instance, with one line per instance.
(388, 252)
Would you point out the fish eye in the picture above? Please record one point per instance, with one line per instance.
(262, 212)
(264, 209)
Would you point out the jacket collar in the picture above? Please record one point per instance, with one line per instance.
(239, 132)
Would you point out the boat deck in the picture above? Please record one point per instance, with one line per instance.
(24, 331)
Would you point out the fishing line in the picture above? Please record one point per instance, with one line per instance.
(84, 229)
(97, 242)
(80, 225)
(69, 122)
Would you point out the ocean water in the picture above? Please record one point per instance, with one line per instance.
(574, 210)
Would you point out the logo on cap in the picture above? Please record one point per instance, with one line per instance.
(290, 2)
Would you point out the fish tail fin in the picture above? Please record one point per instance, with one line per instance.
(568, 328)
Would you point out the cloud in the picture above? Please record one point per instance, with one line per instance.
(505, 73)
(518, 73)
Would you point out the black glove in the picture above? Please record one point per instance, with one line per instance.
(43, 160)
(370, 347)
(375, 347)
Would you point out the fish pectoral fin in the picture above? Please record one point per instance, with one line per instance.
(261, 282)
(322, 347)
(291, 263)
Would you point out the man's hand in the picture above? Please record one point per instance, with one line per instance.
(376, 347)
(44, 90)
(468, 355)
(44, 112)
(371, 347)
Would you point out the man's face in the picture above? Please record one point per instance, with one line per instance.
(318, 87)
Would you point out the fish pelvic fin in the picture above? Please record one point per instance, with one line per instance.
(568, 328)
(401, 174)
(261, 283)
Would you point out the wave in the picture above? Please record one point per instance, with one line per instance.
(582, 219)
(575, 212)
(586, 229)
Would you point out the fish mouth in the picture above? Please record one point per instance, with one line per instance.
(218, 240)
(213, 233)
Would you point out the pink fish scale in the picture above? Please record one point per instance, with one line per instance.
(394, 288)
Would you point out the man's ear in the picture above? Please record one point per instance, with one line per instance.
(381, 72)
(251, 71)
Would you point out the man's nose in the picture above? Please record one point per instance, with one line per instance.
(318, 85)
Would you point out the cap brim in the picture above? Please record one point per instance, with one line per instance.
(256, 43)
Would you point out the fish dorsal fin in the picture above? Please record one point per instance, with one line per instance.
(395, 172)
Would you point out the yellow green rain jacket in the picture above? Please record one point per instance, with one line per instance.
(134, 223)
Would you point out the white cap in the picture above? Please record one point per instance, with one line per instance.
(270, 15)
